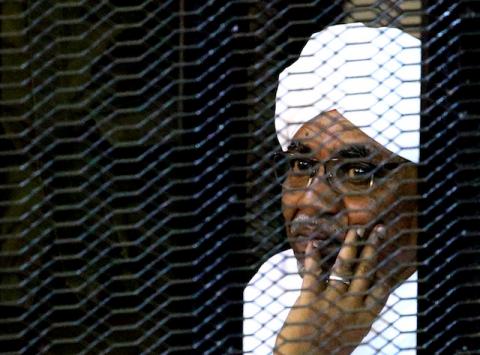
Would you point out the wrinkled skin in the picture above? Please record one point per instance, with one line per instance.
(376, 240)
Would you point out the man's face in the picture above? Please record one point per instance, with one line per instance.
(366, 185)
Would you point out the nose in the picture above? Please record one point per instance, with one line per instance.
(319, 198)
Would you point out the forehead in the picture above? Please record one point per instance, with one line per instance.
(330, 132)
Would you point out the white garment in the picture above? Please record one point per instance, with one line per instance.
(369, 75)
(275, 287)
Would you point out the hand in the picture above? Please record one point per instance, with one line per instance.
(334, 317)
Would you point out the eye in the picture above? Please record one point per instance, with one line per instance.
(357, 172)
(302, 165)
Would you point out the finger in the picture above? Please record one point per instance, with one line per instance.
(368, 261)
(343, 265)
(312, 279)
(347, 255)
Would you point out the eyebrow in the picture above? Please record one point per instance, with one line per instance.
(353, 151)
(350, 151)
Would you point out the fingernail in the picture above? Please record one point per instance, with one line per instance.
(381, 232)
(360, 232)
(316, 244)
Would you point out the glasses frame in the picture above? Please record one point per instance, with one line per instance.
(329, 176)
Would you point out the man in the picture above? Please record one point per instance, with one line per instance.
(347, 118)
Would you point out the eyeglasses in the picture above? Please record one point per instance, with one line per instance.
(352, 175)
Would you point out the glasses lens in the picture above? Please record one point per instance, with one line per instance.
(351, 176)
(294, 171)
(300, 170)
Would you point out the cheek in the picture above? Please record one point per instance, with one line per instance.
(289, 201)
(371, 208)
(360, 210)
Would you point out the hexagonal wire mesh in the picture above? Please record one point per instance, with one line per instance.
(143, 209)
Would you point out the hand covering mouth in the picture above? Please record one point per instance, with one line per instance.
(327, 235)
(304, 228)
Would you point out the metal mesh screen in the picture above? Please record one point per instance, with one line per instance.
(148, 207)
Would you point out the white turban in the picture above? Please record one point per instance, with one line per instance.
(370, 75)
